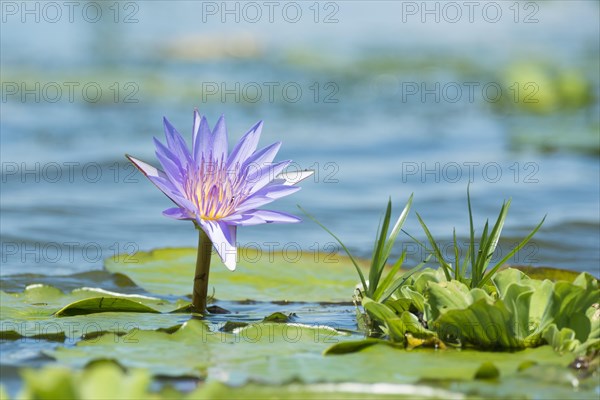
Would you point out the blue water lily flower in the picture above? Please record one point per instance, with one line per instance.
(218, 190)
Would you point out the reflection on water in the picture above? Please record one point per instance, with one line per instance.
(389, 109)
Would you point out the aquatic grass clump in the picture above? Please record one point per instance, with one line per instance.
(479, 258)
(491, 309)
(218, 190)
(521, 312)
(378, 287)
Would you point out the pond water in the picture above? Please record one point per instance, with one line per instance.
(380, 98)
(69, 199)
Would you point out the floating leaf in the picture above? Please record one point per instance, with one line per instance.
(260, 275)
(277, 317)
(353, 346)
(259, 355)
(45, 312)
(103, 304)
(100, 381)
(487, 370)
(196, 347)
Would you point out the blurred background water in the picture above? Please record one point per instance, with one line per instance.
(381, 98)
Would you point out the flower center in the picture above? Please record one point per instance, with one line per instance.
(214, 190)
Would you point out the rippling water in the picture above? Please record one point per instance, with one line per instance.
(69, 198)
(369, 119)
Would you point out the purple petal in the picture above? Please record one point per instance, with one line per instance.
(274, 217)
(162, 182)
(245, 147)
(266, 195)
(171, 164)
(258, 179)
(176, 143)
(218, 142)
(177, 213)
(168, 153)
(294, 177)
(200, 137)
(264, 156)
(166, 186)
(195, 127)
(223, 237)
(246, 219)
(145, 168)
(257, 217)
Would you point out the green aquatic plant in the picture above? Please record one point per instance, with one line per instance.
(515, 312)
(522, 314)
(480, 258)
(379, 287)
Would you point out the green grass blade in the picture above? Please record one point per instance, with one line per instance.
(376, 238)
(373, 252)
(360, 274)
(390, 276)
(397, 228)
(387, 249)
(491, 242)
(457, 275)
(463, 269)
(488, 276)
(436, 249)
(476, 273)
(472, 230)
(376, 262)
(417, 241)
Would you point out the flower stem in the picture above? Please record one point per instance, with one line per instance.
(201, 275)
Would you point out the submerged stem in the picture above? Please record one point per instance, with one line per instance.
(201, 275)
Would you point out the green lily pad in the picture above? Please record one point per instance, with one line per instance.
(260, 275)
(103, 304)
(391, 365)
(106, 380)
(321, 391)
(354, 346)
(45, 312)
(276, 358)
(113, 282)
(109, 380)
(197, 350)
(100, 381)
(535, 382)
(258, 356)
(277, 317)
(488, 370)
(44, 300)
(276, 353)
